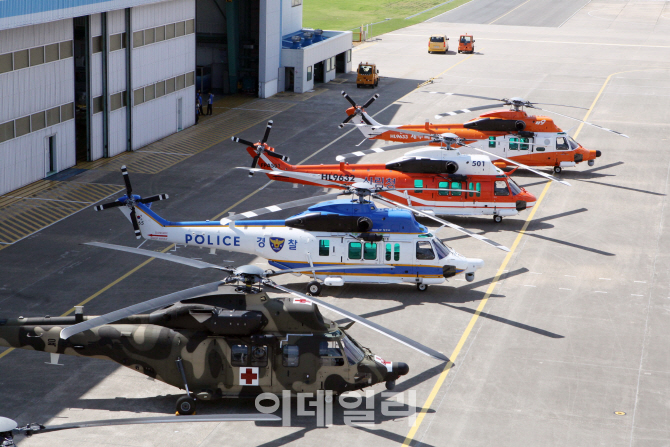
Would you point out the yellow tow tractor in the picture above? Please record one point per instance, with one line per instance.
(368, 75)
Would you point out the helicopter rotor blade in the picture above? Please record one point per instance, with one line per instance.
(365, 119)
(468, 110)
(532, 104)
(370, 101)
(254, 162)
(374, 326)
(346, 120)
(136, 226)
(155, 198)
(280, 207)
(448, 224)
(164, 256)
(464, 95)
(348, 98)
(268, 128)
(582, 121)
(374, 150)
(245, 142)
(316, 178)
(126, 180)
(140, 308)
(534, 171)
(277, 155)
(108, 205)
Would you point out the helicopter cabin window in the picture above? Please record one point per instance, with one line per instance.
(259, 356)
(492, 141)
(330, 354)
(389, 252)
(524, 144)
(239, 355)
(290, 355)
(418, 184)
(500, 188)
(445, 186)
(424, 250)
(513, 144)
(476, 186)
(395, 252)
(324, 247)
(456, 185)
(355, 250)
(561, 144)
(370, 251)
(353, 352)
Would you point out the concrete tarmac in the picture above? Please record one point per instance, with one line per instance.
(568, 347)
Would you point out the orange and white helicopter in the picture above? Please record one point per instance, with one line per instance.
(436, 180)
(533, 140)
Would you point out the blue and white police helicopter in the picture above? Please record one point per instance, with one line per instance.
(340, 241)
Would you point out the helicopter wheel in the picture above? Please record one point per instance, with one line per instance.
(390, 385)
(497, 219)
(422, 287)
(185, 405)
(314, 288)
(557, 169)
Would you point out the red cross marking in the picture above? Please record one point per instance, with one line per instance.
(248, 376)
(302, 301)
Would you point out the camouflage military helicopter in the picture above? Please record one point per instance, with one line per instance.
(223, 339)
(9, 428)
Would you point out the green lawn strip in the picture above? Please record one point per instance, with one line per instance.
(348, 14)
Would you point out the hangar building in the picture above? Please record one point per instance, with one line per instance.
(82, 80)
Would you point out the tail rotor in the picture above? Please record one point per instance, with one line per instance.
(262, 147)
(357, 110)
(130, 201)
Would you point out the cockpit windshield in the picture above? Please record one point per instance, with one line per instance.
(365, 69)
(573, 144)
(440, 248)
(516, 189)
(353, 352)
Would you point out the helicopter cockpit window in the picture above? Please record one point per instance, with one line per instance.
(370, 251)
(573, 144)
(500, 188)
(239, 355)
(355, 250)
(424, 250)
(365, 69)
(353, 352)
(440, 248)
(516, 189)
(324, 247)
(259, 356)
(290, 355)
(330, 354)
(561, 144)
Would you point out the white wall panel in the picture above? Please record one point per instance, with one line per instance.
(116, 78)
(117, 131)
(116, 22)
(291, 17)
(23, 159)
(33, 89)
(96, 25)
(157, 119)
(36, 35)
(96, 136)
(156, 14)
(163, 60)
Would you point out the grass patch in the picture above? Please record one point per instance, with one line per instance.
(348, 14)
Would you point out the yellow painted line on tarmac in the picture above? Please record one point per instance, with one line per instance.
(508, 12)
(489, 291)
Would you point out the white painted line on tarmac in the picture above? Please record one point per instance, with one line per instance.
(598, 291)
(563, 288)
(606, 279)
(529, 285)
(632, 294)
(535, 273)
(642, 282)
(570, 276)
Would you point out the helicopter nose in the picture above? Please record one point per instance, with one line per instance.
(397, 369)
(598, 154)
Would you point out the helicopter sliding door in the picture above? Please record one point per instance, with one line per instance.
(519, 146)
(250, 364)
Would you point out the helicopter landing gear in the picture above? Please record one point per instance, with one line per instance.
(390, 385)
(314, 288)
(557, 169)
(185, 404)
(497, 219)
(421, 288)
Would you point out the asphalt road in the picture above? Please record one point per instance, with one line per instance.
(549, 13)
(575, 330)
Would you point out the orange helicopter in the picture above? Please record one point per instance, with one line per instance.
(436, 180)
(533, 140)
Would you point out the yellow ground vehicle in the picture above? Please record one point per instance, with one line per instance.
(466, 44)
(368, 75)
(439, 43)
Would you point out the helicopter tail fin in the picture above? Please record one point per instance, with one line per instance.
(152, 226)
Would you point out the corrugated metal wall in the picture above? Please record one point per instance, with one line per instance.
(27, 92)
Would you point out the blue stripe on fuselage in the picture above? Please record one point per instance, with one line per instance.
(392, 270)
